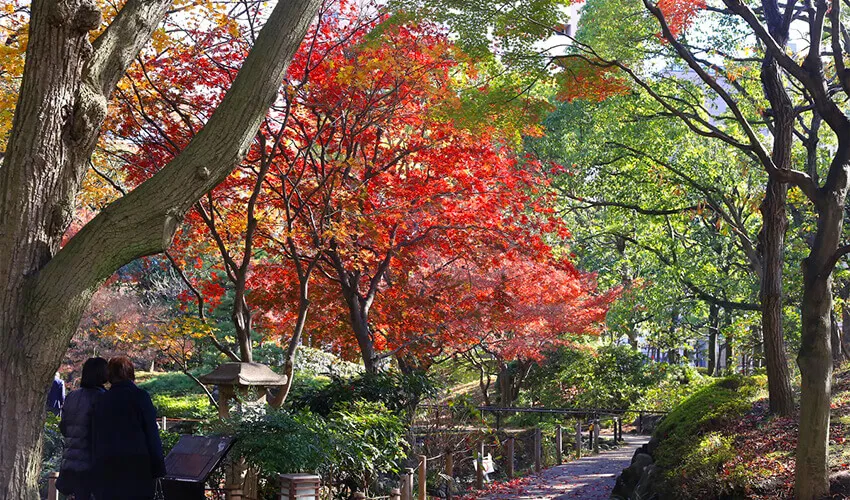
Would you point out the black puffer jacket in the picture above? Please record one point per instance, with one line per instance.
(76, 427)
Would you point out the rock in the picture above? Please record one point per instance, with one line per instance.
(644, 488)
(839, 484)
(641, 449)
(624, 485)
(640, 461)
(652, 445)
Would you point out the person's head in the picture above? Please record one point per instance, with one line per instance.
(121, 370)
(94, 373)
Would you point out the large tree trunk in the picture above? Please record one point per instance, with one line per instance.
(60, 110)
(815, 361)
(772, 235)
(815, 356)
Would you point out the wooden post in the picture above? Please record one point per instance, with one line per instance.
(595, 436)
(479, 471)
(164, 423)
(407, 485)
(423, 477)
(510, 455)
(578, 438)
(559, 444)
(450, 473)
(395, 494)
(620, 426)
(52, 492)
(538, 450)
(640, 423)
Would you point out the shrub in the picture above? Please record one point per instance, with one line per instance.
(350, 448)
(611, 377)
(168, 383)
(193, 406)
(400, 393)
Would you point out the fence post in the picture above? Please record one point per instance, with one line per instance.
(407, 485)
(395, 494)
(479, 471)
(640, 423)
(52, 493)
(595, 436)
(615, 430)
(164, 423)
(559, 444)
(578, 438)
(538, 450)
(620, 427)
(450, 473)
(510, 454)
(423, 476)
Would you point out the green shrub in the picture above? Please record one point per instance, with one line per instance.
(400, 393)
(609, 377)
(350, 448)
(366, 441)
(690, 454)
(193, 406)
(168, 383)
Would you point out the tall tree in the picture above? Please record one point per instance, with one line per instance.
(67, 82)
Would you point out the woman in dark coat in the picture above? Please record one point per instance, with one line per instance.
(126, 445)
(75, 474)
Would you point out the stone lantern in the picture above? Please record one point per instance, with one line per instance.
(239, 377)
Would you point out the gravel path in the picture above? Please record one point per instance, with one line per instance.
(588, 478)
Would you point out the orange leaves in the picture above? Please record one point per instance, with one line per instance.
(679, 14)
(581, 78)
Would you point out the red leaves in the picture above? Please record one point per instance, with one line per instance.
(679, 14)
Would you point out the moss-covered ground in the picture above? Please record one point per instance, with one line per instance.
(721, 443)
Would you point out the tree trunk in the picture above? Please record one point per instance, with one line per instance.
(60, 110)
(774, 225)
(815, 361)
(359, 316)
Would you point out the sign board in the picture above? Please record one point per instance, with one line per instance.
(487, 464)
(194, 457)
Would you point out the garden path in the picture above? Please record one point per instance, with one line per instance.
(588, 478)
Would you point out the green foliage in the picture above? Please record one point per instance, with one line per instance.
(670, 391)
(193, 406)
(689, 448)
(278, 442)
(400, 393)
(53, 445)
(611, 377)
(168, 383)
(169, 439)
(366, 440)
(349, 448)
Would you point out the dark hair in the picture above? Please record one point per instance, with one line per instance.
(121, 370)
(94, 373)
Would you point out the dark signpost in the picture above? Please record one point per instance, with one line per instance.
(189, 464)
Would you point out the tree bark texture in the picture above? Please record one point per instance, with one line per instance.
(61, 107)
(774, 225)
(713, 331)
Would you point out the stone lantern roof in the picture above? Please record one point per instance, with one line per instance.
(243, 375)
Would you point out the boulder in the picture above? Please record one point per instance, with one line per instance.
(644, 488)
